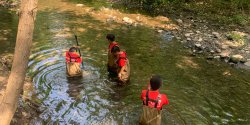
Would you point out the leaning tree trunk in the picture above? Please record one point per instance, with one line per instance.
(27, 16)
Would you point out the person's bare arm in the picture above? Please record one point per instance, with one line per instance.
(120, 72)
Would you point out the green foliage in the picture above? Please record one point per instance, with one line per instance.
(235, 36)
(224, 11)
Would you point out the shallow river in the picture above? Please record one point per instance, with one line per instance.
(200, 92)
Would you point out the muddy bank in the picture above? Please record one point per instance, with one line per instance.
(27, 107)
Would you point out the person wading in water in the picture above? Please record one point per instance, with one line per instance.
(73, 62)
(153, 102)
(122, 64)
(112, 67)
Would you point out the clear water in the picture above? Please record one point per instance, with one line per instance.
(200, 91)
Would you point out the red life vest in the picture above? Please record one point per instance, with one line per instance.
(152, 100)
(73, 57)
(122, 56)
(111, 45)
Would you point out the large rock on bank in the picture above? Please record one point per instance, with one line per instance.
(237, 58)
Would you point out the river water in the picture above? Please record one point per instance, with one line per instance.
(200, 92)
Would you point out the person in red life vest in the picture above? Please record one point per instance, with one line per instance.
(122, 62)
(153, 102)
(112, 67)
(73, 62)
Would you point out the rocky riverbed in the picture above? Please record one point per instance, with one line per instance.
(220, 43)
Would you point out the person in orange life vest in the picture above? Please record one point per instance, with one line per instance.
(122, 62)
(73, 62)
(153, 102)
(111, 58)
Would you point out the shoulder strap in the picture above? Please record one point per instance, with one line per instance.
(158, 98)
(113, 45)
(147, 99)
(152, 100)
(69, 57)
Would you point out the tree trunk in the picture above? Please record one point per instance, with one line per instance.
(16, 79)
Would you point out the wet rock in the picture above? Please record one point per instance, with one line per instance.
(198, 45)
(233, 45)
(127, 20)
(188, 34)
(189, 39)
(216, 34)
(198, 32)
(216, 57)
(212, 51)
(236, 58)
(210, 57)
(244, 60)
(200, 39)
(179, 38)
(248, 63)
(179, 21)
(26, 115)
(79, 5)
(218, 50)
(160, 31)
(229, 37)
(232, 64)
(224, 47)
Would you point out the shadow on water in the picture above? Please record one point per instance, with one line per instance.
(200, 91)
(8, 28)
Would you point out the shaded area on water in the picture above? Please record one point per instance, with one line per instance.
(8, 29)
(199, 91)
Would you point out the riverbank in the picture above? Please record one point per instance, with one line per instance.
(220, 35)
(27, 107)
(214, 40)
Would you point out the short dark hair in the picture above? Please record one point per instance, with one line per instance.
(155, 82)
(73, 49)
(115, 49)
(111, 37)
